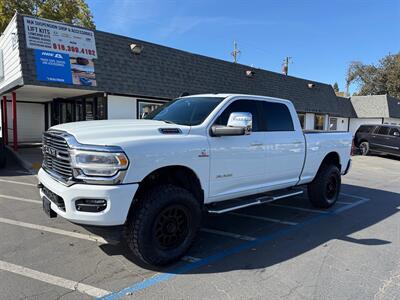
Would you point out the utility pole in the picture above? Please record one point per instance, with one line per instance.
(285, 67)
(235, 53)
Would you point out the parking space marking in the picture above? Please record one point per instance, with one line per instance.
(300, 208)
(263, 218)
(88, 237)
(18, 182)
(53, 280)
(20, 199)
(344, 202)
(229, 234)
(162, 277)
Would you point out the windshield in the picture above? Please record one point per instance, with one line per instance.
(185, 111)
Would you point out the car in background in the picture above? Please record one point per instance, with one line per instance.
(383, 139)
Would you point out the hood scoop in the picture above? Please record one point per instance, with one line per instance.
(170, 130)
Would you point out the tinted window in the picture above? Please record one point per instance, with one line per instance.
(241, 106)
(365, 129)
(383, 130)
(277, 117)
(186, 111)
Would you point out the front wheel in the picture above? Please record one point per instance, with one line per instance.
(324, 190)
(163, 224)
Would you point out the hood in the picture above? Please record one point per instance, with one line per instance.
(117, 132)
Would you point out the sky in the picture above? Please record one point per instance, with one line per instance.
(321, 36)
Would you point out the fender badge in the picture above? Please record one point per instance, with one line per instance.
(203, 153)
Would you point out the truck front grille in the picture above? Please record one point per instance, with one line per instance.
(56, 157)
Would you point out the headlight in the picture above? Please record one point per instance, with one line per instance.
(93, 163)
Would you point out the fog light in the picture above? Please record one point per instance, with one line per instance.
(90, 205)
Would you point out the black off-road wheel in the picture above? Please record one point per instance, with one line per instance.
(163, 225)
(364, 148)
(324, 191)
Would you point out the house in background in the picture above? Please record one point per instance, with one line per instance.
(374, 109)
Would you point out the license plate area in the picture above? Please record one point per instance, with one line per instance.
(47, 208)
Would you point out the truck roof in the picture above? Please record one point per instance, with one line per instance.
(224, 95)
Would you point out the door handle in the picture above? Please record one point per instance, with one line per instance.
(255, 144)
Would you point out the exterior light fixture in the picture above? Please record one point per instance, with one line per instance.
(250, 73)
(136, 48)
(311, 85)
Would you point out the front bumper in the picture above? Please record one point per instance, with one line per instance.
(118, 197)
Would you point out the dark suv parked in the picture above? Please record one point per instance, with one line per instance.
(378, 138)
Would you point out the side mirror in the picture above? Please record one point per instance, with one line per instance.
(239, 123)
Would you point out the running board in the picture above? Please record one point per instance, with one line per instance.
(230, 205)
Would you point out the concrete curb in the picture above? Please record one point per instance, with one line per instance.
(23, 163)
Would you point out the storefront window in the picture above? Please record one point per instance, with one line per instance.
(302, 119)
(333, 123)
(319, 122)
(145, 107)
(79, 109)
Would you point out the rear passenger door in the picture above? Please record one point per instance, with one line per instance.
(379, 139)
(285, 146)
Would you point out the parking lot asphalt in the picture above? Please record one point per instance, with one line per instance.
(287, 249)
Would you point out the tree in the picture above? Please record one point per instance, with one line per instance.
(379, 79)
(336, 87)
(75, 12)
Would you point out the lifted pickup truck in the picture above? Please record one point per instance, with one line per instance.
(213, 152)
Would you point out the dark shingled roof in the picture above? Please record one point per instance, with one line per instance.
(163, 72)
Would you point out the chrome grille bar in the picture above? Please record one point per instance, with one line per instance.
(55, 155)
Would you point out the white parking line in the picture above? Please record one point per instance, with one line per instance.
(18, 182)
(88, 237)
(54, 280)
(344, 202)
(355, 196)
(300, 208)
(264, 219)
(229, 234)
(20, 199)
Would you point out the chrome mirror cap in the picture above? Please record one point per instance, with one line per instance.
(241, 120)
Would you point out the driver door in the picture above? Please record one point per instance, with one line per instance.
(237, 162)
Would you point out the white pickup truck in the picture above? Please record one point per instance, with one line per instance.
(214, 153)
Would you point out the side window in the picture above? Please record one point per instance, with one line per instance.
(241, 106)
(277, 117)
(383, 130)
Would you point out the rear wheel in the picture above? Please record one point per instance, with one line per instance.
(324, 190)
(163, 224)
(364, 148)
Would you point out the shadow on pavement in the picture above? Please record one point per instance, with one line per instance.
(300, 239)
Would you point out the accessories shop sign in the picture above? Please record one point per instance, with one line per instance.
(53, 36)
(62, 68)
